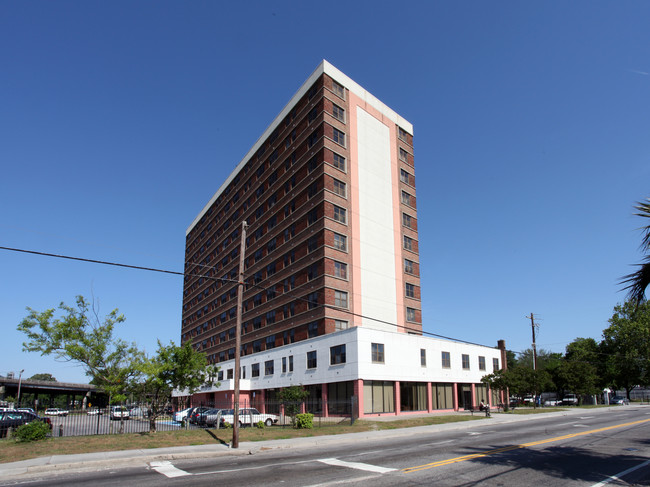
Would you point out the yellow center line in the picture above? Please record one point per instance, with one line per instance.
(486, 453)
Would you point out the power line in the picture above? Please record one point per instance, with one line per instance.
(234, 281)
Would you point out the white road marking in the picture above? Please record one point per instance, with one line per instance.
(359, 466)
(341, 482)
(438, 443)
(167, 469)
(621, 474)
(577, 425)
(474, 433)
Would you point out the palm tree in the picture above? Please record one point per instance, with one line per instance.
(637, 282)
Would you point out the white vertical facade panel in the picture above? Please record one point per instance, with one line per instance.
(376, 229)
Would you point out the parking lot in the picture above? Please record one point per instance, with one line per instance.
(83, 424)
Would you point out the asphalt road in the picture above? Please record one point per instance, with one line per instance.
(591, 448)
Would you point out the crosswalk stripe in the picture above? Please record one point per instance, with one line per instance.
(167, 469)
(359, 466)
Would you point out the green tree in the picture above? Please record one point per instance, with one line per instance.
(627, 344)
(291, 398)
(497, 381)
(44, 377)
(172, 367)
(638, 281)
(81, 336)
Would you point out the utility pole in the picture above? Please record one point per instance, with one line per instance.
(533, 325)
(240, 299)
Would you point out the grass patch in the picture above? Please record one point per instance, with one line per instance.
(11, 451)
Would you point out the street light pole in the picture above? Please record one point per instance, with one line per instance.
(20, 379)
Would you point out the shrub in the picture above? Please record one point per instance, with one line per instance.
(34, 431)
(305, 421)
(227, 425)
(260, 425)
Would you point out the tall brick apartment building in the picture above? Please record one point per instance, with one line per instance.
(328, 193)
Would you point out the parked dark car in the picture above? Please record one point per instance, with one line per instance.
(195, 415)
(14, 419)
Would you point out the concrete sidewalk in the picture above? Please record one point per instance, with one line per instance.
(101, 460)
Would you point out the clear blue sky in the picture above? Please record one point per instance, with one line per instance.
(119, 120)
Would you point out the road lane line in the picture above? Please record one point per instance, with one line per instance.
(620, 474)
(167, 469)
(356, 465)
(486, 453)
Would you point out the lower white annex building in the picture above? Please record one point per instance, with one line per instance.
(363, 372)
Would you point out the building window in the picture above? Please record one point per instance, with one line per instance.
(270, 319)
(337, 355)
(401, 134)
(406, 198)
(410, 290)
(312, 114)
(408, 243)
(340, 188)
(423, 357)
(338, 113)
(341, 299)
(340, 270)
(290, 363)
(312, 329)
(311, 360)
(481, 363)
(312, 272)
(312, 243)
(284, 365)
(255, 370)
(339, 162)
(312, 216)
(312, 164)
(268, 367)
(338, 89)
(405, 177)
(338, 137)
(377, 353)
(408, 266)
(495, 364)
(407, 221)
(403, 155)
(340, 242)
(465, 361)
(340, 325)
(446, 360)
(312, 300)
(410, 314)
(340, 214)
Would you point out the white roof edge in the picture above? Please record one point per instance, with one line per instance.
(323, 68)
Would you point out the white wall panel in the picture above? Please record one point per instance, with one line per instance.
(376, 229)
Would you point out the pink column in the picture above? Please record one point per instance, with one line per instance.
(262, 401)
(398, 399)
(473, 395)
(456, 407)
(324, 400)
(429, 398)
(358, 391)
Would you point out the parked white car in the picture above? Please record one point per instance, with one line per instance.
(250, 416)
(570, 400)
(181, 415)
(56, 412)
(119, 412)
